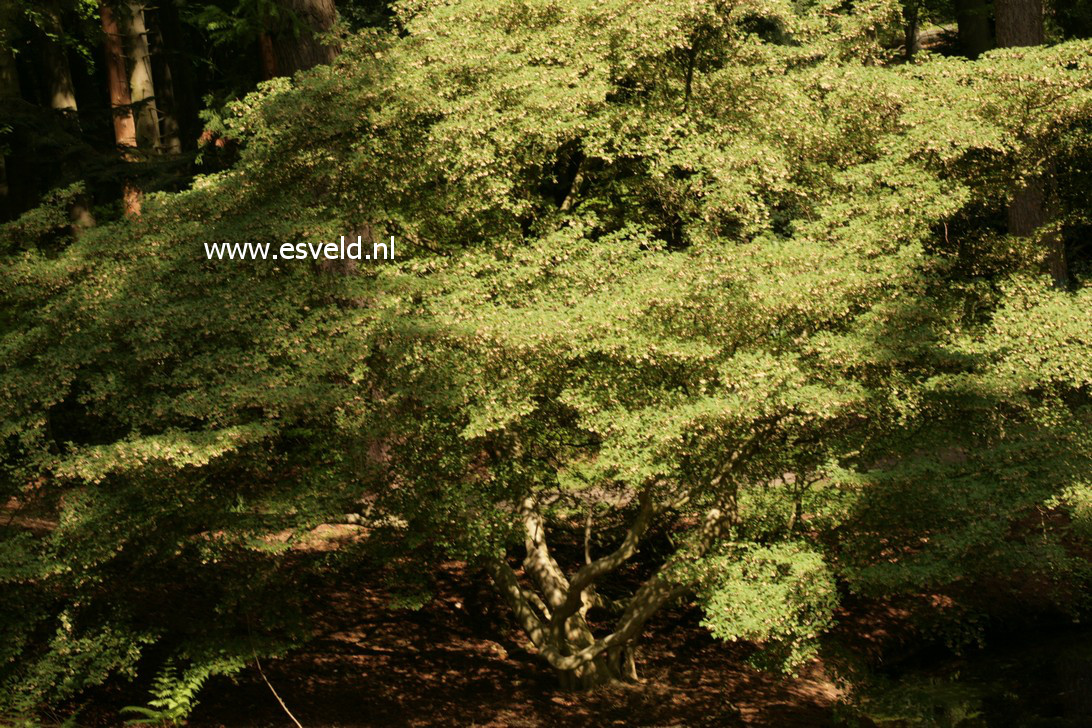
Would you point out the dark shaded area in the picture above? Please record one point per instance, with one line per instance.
(452, 664)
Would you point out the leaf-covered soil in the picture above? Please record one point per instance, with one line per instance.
(452, 664)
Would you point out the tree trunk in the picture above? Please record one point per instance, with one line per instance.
(269, 57)
(62, 98)
(1027, 213)
(553, 611)
(58, 73)
(183, 111)
(973, 22)
(597, 673)
(141, 81)
(298, 46)
(1020, 23)
(120, 102)
(910, 15)
(9, 89)
(170, 135)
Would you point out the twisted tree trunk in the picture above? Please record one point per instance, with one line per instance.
(552, 611)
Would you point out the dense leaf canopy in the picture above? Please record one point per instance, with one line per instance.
(715, 256)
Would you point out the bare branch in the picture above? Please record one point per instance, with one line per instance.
(539, 563)
(587, 536)
(574, 188)
(508, 584)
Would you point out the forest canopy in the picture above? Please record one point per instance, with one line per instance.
(703, 302)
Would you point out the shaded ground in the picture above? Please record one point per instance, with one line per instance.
(447, 664)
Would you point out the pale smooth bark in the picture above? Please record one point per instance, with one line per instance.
(58, 73)
(555, 621)
(141, 81)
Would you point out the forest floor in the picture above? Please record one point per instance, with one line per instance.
(447, 664)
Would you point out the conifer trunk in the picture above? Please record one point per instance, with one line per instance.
(62, 99)
(973, 23)
(297, 48)
(911, 14)
(180, 117)
(9, 89)
(170, 136)
(269, 57)
(1020, 23)
(125, 133)
(141, 81)
(58, 73)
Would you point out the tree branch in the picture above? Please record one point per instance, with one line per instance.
(589, 573)
(508, 584)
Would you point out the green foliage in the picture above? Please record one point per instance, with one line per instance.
(709, 252)
(41, 226)
(174, 695)
(782, 597)
(926, 702)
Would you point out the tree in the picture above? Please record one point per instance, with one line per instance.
(296, 36)
(706, 281)
(61, 93)
(176, 106)
(141, 82)
(9, 89)
(1019, 24)
(62, 99)
(974, 27)
(121, 102)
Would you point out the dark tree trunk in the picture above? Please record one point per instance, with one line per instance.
(170, 137)
(910, 16)
(180, 114)
(58, 74)
(1020, 23)
(1028, 212)
(269, 56)
(973, 21)
(298, 46)
(61, 93)
(9, 89)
